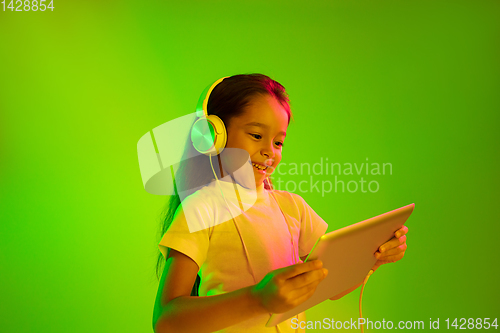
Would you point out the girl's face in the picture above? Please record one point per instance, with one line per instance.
(261, 131)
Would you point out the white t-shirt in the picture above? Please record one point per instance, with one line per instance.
(219, 251)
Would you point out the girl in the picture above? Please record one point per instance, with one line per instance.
(231, 276)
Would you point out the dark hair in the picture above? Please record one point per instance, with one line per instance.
(228, 99)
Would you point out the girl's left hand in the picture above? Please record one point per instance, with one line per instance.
(392, 250)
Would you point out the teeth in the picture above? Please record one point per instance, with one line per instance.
(259, 166)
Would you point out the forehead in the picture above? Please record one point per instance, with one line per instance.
(265, 112)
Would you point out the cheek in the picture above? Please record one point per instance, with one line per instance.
(277, 160)
(244, 140)
(232, 140)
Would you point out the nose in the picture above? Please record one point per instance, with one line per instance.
(268, 151)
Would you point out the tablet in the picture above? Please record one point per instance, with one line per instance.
(348, 254)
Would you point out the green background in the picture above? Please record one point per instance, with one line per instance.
(411, 83)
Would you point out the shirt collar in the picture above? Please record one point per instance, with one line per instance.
(229, 187)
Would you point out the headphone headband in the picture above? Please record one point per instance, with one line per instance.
(201, 107)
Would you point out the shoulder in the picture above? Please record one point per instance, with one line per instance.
(202, 196)
(202, 201)
(292, 202)
(288, 196)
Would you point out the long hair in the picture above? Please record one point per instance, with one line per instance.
(228, 99)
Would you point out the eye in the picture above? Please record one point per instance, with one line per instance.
(258, 137)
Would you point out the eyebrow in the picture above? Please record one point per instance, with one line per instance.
(257, 124)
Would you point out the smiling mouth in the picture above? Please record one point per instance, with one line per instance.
(259, 167)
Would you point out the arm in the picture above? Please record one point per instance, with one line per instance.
(279, 291)
(176, 311)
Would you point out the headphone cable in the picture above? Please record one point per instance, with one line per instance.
(361, 296)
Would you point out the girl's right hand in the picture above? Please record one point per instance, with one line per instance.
(285, 288)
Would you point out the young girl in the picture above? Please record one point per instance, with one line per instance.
(231, 276)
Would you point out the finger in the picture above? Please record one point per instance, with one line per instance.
(394, 258)
(302, 294)
(306, 296)
(297, 269)
(402, 231)
(308, 277)
(394, 242)
(391, 252)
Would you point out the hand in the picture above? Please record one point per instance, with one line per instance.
(393, 250)
(285, 288)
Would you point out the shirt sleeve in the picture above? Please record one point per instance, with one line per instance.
(312, 226)
(179, 236)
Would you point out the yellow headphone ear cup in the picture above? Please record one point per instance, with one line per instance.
(209, 135)
(220, 133)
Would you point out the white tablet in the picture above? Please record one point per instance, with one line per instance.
(348, 254)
